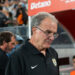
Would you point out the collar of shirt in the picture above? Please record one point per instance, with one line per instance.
(32, 49)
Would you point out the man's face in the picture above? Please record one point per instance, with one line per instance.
(11, 44)
(44, 40)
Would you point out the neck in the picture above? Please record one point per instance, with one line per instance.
(33, 42)
(43, 52)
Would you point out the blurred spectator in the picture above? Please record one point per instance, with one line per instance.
(2, 1)
(19, 42)
(7, 42)
(73, 72)
(15, 11)
(10, 18)
(21, 15)
(13, 22)
(3, 19)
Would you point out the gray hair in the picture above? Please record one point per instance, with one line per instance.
(36, 20)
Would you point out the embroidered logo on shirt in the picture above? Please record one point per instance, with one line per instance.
(33, 67)
(54, 61)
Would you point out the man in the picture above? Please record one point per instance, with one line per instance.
(4, 21)
(73, 72)
(19, 41)
(35, 57)
(7, 42)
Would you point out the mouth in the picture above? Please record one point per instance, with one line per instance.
(48, 42)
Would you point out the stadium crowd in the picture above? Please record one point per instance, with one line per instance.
(13, 13)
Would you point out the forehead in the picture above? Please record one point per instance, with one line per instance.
(47, 23)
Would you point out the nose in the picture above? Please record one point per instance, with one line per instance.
(51, 37)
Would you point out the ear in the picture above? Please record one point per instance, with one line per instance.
(33, 29)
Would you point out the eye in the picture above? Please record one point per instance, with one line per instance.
(48, 32)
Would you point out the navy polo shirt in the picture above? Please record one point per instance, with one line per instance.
(29, 61)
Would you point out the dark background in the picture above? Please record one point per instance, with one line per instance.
(67, 18)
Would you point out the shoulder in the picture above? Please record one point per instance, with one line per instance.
(2, 53)
(21, 51)
(53, 52)
(3, 57)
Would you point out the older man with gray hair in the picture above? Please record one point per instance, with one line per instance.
(36, 57)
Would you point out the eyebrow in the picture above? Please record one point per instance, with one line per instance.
(46, 30)
(51, 32)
